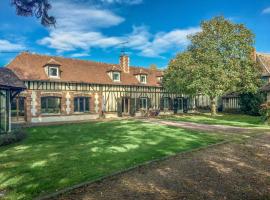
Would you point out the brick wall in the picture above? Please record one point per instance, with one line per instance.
(33, 102)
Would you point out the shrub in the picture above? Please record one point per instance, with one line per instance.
(10, 138)
(250, 103)
(265, 112)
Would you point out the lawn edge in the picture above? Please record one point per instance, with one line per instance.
(86, 183)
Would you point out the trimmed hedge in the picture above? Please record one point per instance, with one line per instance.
(13, 137)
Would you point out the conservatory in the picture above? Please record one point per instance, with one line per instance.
(10, 86)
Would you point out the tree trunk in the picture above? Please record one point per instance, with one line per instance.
(213, 106)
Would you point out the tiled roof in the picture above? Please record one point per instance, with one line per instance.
(9, 79)
(30, 67)
(264, 61)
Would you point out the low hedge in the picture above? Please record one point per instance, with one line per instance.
(12, 137)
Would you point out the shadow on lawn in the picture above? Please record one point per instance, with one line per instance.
(55, 157)
(234, 171)
(221, 119)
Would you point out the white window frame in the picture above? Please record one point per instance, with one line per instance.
(53, 67)
(119, 75)
(143, 75)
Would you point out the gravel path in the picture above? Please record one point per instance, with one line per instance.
(228, 171)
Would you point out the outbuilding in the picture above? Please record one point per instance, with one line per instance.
(10, 86)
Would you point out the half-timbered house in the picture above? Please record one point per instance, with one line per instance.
(65, 89)
(230, 102)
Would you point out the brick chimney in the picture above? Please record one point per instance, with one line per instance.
(124, 63)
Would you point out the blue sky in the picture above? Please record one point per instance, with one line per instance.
(154, 29)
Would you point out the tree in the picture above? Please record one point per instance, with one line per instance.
(218, 60)
(179, 73)
(37, 8)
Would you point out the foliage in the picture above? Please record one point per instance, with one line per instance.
(37, 8)
(265, 112)
(180, 72)
(217, 61)
(55, 157)
(250, 103)
(13, 137)
(238, 120)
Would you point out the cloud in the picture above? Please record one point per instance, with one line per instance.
(266, 11)
(140, 39)
(80, 29)
(165, 41)
(70, 41)
(78, 55)
(6, 45)
(72, 16)
(128, 2)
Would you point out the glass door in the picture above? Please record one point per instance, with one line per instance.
(3, 111)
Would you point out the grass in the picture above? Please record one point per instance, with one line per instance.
(55, 157)
(221, 119)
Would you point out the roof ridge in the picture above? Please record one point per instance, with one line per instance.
(67, 58)
(262, 54)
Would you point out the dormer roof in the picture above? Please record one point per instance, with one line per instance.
(115, 68)
(53, 62)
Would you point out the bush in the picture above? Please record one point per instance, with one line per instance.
(13, 137)
(250, 103)
(265, 112)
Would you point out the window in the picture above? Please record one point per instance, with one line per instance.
(160, 78)
(143, 102)
(53, 72)
(81, 104)
(116, 76)
(143, 78)
(3, 111)
(166, 103)
(51, 105)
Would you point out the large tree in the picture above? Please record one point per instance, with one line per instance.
(218, 60)
(37, 8)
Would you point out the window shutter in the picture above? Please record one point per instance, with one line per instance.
(119, 107)
(138, 104)
(132, 107)
(170, 103)
(149, 103)
(161, 106)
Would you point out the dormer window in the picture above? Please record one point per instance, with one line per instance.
(52, 68)
(53, 72)
(160, 78)
(143, 79)
(116, 76)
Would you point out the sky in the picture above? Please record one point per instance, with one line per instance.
(153, 31)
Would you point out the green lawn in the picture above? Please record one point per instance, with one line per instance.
(55, 157)
(222, 119)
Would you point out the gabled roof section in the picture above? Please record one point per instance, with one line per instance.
(30, 67)
(263, 60)
(140, 71)
(114, 68)
(9, 79)
(53, 62)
